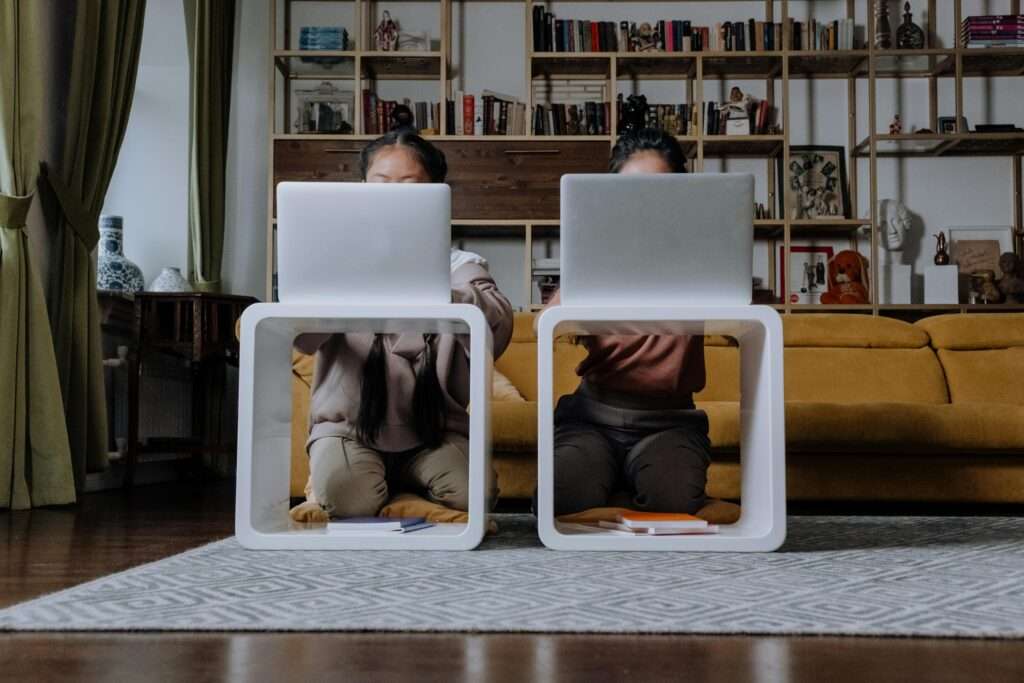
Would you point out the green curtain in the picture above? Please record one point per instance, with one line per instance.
(35, 462)
(210, 27)
(105, 59)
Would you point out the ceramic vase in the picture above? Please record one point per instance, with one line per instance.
(114, 271)
(909, 35)
(170, 280)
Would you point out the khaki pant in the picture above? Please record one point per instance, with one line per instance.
(349, 479)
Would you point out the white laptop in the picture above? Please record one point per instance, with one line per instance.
(364, 243)
(665, 239)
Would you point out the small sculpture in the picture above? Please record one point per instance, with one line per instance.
(941, 249)
(634, 113)
(894, 224)
(645, 39)
(983, 286)
(909, 35)
(1011, 284)
(896, 126)
(385, 37)
(402, 117)
(883, 31)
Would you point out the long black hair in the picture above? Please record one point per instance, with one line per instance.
(648, 140)
(428, 402)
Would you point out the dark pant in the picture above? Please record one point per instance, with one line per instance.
(660, 458)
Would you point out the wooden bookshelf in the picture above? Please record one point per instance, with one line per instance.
(528, 165)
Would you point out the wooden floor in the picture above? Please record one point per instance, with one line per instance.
(46, 550)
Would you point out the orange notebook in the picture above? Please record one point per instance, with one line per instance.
(661, 520)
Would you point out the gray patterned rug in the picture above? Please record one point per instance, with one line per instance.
(892, 576)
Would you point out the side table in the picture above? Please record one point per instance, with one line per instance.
(199, 328)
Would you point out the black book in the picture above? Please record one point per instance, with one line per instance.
(678, 37)
(559, 35)
(727, 39)
(548, 20)
(737, 39)
(687, 28)
(695, 41)
(798, 28)
(661, 34)
(538, 28)
(768, 35)
(449, 111)
(751, 35)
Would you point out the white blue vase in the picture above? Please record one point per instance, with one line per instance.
(170, 280)
(113, 270)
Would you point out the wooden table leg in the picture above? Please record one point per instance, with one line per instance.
(134, 380)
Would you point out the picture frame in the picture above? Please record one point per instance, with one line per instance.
(811, 262)
(947, 125)
(979, 239)
(324, 109)
(814, 184)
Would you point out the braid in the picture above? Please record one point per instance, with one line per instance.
(373, 399)
(428, 404)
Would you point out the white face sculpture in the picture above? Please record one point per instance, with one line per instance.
(893, 224)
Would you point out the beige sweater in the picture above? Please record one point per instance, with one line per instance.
(334, 404)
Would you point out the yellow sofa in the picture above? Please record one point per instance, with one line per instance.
(876, 409)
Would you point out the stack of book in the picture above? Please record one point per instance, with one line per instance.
(748, 36)
(652, 524)
(840, 34)
(377, 114)
(677, 119)
(489, 113)
(993, 30)
(567, 107)
(362, 526)
(572, 35)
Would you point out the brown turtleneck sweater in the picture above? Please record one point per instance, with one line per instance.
(642, 371)
(334, 404)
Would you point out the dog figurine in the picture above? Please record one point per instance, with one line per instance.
(847, 279)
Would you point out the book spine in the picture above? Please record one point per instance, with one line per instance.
(468, 115)
(751, 35)
(538, 28)
(624, 45)
(503, 118)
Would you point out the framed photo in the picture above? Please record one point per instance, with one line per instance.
(809, 268)
(947, 125)
(324, 109)
(814, 183)
(978, 247)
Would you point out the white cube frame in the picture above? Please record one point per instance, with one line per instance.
(265, 415)
(758, 329)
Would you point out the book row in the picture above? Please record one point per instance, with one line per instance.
(551, 34)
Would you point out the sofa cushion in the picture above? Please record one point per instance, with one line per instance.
(894, 427)
(989, 376)
(851, 331)
(514, 426)
(967, 331)
(858, 375)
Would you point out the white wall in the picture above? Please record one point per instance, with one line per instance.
(149, 187)
(150, 183)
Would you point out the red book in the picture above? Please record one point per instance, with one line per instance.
(467, 114)
(595, 40)
(670, 38)
(367, 107)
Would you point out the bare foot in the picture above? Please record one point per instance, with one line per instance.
(308, 512)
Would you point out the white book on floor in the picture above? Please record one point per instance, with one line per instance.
(623, 529)
(376, 525)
